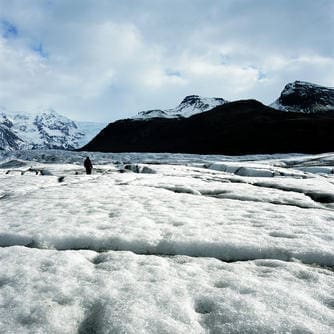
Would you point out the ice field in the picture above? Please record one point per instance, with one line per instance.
(166, 243)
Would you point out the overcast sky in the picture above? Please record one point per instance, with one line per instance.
(108, 59)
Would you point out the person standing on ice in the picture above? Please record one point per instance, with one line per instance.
(88, 165)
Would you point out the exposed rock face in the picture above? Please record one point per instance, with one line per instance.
(190, 105)
(241, 127)
(305, 97)
(8, 140)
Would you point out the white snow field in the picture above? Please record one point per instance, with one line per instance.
(166, 243)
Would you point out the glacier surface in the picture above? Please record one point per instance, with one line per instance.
(166, 243)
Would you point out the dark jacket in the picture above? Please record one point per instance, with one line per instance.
(88, 163)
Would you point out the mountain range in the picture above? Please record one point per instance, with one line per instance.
(300, 120)
(303, 113)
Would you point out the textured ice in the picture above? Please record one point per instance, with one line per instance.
(13, 164)
(160, 243)
(45, 291)
(117, 211)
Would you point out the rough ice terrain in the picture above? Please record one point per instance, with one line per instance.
(166, 243)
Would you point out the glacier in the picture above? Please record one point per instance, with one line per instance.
(166, 243)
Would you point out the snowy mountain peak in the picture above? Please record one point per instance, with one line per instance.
(192, 100)
(199, 101)
(190, 105)
(54, 120)
(194, 104)
(43, 129)
(301, 96)
(47, 110)
(4, 120)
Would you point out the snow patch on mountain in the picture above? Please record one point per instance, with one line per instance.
(190, 105)
(300, 96)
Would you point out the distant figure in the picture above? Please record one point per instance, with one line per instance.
(88, 165)
(61, 179)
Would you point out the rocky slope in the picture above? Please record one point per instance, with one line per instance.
(300, 96)
(8, 140)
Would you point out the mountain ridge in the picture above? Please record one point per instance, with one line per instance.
(190, 105)
(48, 129)
(235, 128)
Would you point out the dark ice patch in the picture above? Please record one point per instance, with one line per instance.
(13, 164)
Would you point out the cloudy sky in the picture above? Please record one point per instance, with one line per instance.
(108, 59)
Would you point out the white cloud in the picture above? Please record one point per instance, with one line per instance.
(105, 60)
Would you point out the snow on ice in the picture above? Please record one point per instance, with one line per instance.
(166, 243)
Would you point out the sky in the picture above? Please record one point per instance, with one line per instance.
(102, 60)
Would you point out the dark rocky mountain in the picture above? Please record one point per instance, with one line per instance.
(241, 127)
(300, 96)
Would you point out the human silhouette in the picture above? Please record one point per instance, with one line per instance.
(88, 165)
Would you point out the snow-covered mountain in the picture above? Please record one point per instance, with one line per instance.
(300, 96)
(190, 105)
(43, 129)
